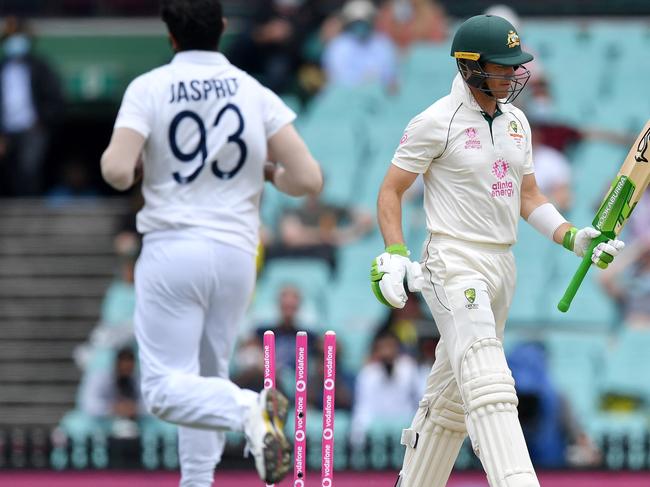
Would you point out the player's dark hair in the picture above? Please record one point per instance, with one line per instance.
(195, 24)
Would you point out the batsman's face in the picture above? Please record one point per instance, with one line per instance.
(500, 78)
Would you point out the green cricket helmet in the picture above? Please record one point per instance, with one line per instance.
(490, 39)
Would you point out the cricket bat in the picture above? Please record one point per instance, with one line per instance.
(626, 190)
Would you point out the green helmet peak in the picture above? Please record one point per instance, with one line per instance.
(489, 38)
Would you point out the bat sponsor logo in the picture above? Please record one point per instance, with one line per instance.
(611, 202)
(642, 148)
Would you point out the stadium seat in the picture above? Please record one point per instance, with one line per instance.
(575, 361)
(626, 363)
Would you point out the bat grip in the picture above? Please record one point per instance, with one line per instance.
(580, 274)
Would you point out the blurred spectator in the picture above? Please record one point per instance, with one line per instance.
(344, 382)
(392, 375)
(271, 44)
(405, 322)
(286, 327)
(31, 103)
(409, 21)
(628, 281)
(115, 327)
(249, 363)
(359, 54)
(74, 183)
(552, 170)
(426, 356)
(553, 433)
(316, 230)
(114, 394)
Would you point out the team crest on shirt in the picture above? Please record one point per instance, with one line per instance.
(515, 133)
(501, 188)
(472, 141)
(404, 139)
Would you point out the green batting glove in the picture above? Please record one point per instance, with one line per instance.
(578, 241)
(387, 276)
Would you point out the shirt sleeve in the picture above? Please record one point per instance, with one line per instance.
(529, 168)
(136, 112)
(421, 142)
(276, 113)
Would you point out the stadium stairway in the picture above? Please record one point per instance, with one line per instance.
(55, 265)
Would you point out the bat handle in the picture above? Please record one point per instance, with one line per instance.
(580, 274)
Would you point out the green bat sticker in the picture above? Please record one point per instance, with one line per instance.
(611, 216)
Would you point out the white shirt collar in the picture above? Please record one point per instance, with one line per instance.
(462, 94)
(200, 57)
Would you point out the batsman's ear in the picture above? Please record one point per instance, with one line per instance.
(224, 21)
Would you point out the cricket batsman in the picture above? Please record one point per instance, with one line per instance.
(473, 149)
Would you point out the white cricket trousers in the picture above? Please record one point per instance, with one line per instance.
(191, 294)
(469, 289)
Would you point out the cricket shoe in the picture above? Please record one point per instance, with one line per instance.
(264, 430)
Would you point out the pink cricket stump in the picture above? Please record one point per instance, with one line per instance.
(269, 364)
(300, 438)
(269, 360)
(329, 378)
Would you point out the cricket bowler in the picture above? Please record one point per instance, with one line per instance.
(202, 131)
(473, 149)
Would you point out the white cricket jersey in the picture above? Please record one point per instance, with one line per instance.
(207, 124)
(472, 166)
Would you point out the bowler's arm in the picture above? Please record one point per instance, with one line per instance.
(297, 173)
(389, 203)
(120, 159)
(532, 198)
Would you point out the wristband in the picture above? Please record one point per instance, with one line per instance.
(546, 219)
(569, 240)
(398, 249)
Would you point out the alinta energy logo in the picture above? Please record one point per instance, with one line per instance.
(472, 142)
(501, 188)
(500, 168)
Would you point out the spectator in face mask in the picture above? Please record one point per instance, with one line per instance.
(409, 21)
(392, 375)
(359, 54)
(30, 104)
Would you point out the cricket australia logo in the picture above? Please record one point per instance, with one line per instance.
(472, 141)
(515, 135)
(641, 149)
(513, 39)
(470, 295)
